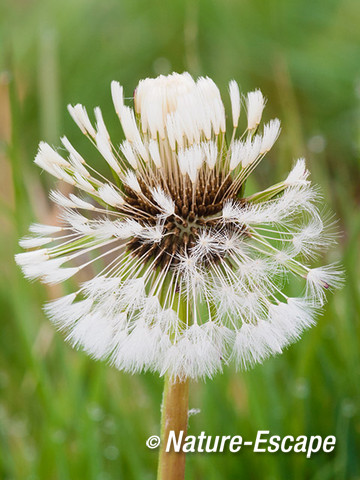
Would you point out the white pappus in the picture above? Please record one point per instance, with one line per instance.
(189, 271)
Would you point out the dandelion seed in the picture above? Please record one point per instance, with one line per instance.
(235, 102)
(270, 135)
(255, 103)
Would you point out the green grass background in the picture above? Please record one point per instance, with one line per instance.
(64, 416)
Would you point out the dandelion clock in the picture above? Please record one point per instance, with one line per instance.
(189, 269)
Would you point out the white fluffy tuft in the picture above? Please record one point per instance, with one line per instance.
(320, 279)
(235, 102)
(255, 103)
(165, 202)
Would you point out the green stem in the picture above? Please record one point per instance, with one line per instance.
(174, 417)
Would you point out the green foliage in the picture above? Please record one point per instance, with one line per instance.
(64, 416)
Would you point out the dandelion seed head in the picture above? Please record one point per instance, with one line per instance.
(190, 270)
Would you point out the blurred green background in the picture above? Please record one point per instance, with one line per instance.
(64, 416)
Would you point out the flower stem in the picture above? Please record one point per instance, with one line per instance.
(174, 416)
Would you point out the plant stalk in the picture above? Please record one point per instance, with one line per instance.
(174, 417)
